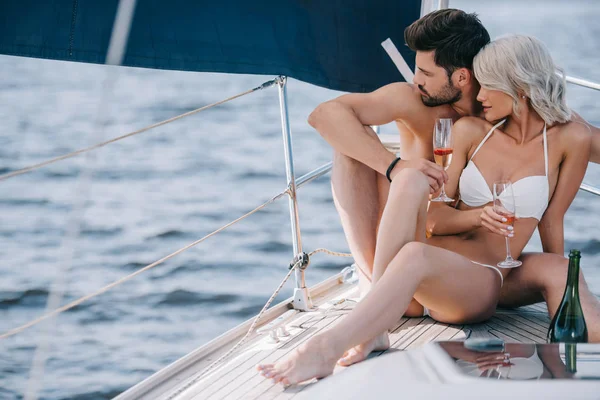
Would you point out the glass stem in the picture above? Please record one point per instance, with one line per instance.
(508, 256)
(443, 192)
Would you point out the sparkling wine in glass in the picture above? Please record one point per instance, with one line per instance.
(504, 204)
(442, 150)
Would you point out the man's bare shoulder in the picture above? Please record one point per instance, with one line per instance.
(402, 92)
(408, 101)
(387, 104)
(402, 88)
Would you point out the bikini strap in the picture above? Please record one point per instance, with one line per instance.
(486, 138)
(545, 150)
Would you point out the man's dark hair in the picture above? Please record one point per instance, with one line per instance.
(455, 36)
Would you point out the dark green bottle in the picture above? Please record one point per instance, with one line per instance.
(568, 324)
(571, 357)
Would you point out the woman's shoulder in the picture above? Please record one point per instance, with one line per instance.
(574, 135)
(472, 129)
(475, 125)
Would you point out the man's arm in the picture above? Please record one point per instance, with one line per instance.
(595, 146)
(572, 170)
(343, 123)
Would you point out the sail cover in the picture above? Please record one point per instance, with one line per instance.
(330, 43)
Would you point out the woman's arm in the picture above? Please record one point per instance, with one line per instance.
(443, 218)
(578, 141)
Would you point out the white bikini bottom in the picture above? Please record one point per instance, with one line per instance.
(494, 268)
(426, 310)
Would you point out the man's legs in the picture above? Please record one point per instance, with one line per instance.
(360, 195)
(357, 199)
(543, 276)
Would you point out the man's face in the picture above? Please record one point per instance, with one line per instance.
(433, 82)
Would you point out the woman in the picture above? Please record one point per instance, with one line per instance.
(527, 137)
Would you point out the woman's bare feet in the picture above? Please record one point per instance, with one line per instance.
(360, 352)
(314, 359)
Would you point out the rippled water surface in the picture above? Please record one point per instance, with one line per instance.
(156, 192)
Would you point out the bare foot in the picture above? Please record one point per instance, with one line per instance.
(313, 359)
(360, 352)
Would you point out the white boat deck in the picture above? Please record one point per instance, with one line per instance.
(237, 378)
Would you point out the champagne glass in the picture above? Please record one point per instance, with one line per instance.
(442, 150)
(504, 204)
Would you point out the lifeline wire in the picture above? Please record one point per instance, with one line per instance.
(254, 323)
(96, 146)
(106, 288)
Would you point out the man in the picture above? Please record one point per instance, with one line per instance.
(445, 42)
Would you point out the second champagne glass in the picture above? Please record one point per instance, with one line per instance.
(442, 150)
(504, 204)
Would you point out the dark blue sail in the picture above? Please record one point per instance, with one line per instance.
(330, 43)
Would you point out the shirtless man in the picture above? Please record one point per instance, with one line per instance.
(446, 42)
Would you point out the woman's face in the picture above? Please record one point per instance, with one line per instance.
(497, 105)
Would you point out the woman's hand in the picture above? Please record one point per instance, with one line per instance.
(495, 222)
(493, 360)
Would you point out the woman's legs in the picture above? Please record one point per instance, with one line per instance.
(457, 289)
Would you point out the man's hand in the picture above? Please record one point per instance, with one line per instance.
(434, 173)
(495, 222)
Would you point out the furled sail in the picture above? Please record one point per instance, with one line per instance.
(330, 43)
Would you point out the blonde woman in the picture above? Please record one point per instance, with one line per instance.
(527, 137)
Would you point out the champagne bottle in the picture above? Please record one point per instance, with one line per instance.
(568, 324)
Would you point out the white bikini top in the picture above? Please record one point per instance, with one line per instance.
(531, 193)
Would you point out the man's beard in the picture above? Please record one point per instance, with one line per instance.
(448, 95)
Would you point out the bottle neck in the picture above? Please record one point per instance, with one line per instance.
(573, 277)
(571, 357)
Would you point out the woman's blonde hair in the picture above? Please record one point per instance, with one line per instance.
(519, 64)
